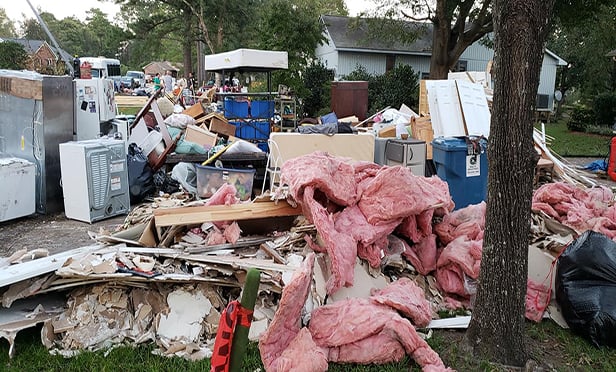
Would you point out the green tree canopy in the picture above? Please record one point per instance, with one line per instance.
(12, 56)
(7, 28)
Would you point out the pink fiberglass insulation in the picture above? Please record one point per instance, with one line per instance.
(580, 209)
(225, 195)
(380, 348)
(371, 239)
(422, 255)
(286, 323)
(537, 299)
(396, 193)
(328, 174)
(302, 355)
(215, 237)
(355, 205)
(358, 319)
(232, 233)
(408, 298)
(468, 221)
(460, 257)
(340, 247)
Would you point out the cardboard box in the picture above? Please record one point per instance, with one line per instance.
(200, 136)
(196, 111)
(221, 126)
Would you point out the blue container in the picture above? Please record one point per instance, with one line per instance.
(465, 171)
(263, 146)
(235, 109)
(262, 109)
(252, 129)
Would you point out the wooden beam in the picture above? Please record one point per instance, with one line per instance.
(234, 212)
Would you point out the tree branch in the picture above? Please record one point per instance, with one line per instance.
(427, 18)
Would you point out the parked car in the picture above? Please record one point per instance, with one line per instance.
(138, 76)
(128, 82)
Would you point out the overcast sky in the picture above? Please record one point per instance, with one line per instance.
(62, 8)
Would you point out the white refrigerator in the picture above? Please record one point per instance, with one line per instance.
(94, 104)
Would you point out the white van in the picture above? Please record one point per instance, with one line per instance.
(137, 76)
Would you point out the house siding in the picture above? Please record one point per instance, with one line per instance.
(327, 54)
(374, 63)
(421, 64)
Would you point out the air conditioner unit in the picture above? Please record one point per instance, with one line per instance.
(543, 101)
(94, 179)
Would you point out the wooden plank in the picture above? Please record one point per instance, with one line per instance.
(244, 211)
(238, 262)
(131, 101)
(421, 128)
(22, 88)
(16, 273)
(424, 109)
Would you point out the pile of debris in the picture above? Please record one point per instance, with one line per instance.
(370, 248)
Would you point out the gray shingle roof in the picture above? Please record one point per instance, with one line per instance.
(352, 33)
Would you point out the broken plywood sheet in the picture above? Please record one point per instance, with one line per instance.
(541, 267)
(16, 273)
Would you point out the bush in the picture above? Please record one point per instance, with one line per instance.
(394, 88)
(317, 83)
(581, 118)
(604, 107)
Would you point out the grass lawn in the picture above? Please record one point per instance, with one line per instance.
(576, 144)
(551, 346)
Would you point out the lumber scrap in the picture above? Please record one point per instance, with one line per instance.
(234, 212)
(22, 88)
(130, 101)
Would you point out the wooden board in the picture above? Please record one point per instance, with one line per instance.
(22, 88)
(421, 129)
(130, 101)
(424, 109)
(245, 211)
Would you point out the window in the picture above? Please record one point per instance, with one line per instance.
(425, 75)
(461, 66)
(391, 62)
(49, 61)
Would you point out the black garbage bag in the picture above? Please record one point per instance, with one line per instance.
(586, 287)
(140, 175)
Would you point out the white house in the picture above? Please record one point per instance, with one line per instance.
(347, 47)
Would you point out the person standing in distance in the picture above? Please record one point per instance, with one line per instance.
(157, 83)
(168, 82)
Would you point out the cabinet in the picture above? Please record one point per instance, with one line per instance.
(287, 108)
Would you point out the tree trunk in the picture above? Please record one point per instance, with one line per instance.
(187, 45)
(496, 331)
(439, 61)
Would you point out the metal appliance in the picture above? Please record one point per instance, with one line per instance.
(408, 153)
(17, 188)
(36, 114)
(94, 179)
(94, 104)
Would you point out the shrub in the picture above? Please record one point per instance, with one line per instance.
(317, 81)
(581, 118)
(604, 107)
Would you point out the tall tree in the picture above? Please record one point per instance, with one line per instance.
(13, 56)
(496, 331)
(7, 28)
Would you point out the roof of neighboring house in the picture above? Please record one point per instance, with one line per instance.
(32, 46)
(353, 34)
(348, 33)
(161, 65)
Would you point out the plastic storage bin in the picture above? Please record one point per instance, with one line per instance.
(252, 129)
(210, 179)
(464, 167)
(262, 109)
(235, 109)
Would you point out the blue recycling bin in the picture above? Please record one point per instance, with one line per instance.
(463, 165)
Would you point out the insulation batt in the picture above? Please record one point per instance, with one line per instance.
(459, 258)
(468, 221)
(286, 323)
(364, 330)
(580, 209)
(355, 205)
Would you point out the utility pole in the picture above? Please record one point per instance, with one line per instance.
(69, 64)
